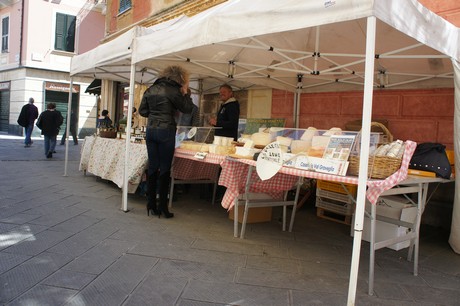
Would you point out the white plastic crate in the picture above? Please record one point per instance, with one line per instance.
(395, 208)
(341, 197)
(346, 209)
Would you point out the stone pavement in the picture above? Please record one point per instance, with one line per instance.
(65, 241)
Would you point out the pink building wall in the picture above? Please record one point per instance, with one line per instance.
(418, 115)
(38, 29)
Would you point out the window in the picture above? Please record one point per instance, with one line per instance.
(5, 33)
(65, 32)
(124, 5)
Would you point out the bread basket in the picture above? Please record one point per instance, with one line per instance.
(379, 167)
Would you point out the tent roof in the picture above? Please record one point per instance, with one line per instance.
(270, 43)
(112, 60)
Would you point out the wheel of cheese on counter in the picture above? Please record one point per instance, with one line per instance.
(333, 131)
(300, 146)
(284, 141)
(316, 151)
(308, 134)
(261, 139)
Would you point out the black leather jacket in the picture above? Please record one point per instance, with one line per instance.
(161, 101)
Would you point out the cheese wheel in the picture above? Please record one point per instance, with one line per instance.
(284, 141)
(261, 139)
(300, 146)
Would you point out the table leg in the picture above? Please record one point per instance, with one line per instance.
(214, 190)
(294, 207)
(246, 203)
(372, 249)
(235, 218)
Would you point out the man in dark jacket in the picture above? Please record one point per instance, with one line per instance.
(49, 122)
(29, 113)
(228, 115)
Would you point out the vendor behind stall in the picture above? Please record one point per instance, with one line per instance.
(228, 115)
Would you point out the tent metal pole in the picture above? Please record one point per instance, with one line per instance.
(454, 238)
(128, 137)
(364, 157)
(297, 108)
(68, 122)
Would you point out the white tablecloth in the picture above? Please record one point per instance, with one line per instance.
(104, 157)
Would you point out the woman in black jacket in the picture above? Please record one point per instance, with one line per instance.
(159, 104)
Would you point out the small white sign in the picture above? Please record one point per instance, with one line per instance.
(191, 133)
(269, 161)
(200, 155)
(322, 165)
(289, 160)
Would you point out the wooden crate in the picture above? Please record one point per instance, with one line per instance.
(255, 214)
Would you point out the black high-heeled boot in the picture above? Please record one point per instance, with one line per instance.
(152, 195)
(163, 194)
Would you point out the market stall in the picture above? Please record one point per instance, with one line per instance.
(332, 45)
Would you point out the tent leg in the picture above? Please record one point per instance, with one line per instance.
(364, 157)
(69, 110)
(128, 138)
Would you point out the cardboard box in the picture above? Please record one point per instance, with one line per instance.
(392, 207)
(451, 156)
(255, 214)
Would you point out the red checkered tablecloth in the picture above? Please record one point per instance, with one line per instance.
(234, 175)
(187, 167)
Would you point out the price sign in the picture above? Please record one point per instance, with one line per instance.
(200, 155)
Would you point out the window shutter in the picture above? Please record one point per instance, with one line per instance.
(70, 37)
(124, 5)
(59, 43)
(5, 33)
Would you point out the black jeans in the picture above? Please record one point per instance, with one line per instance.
(160, 149)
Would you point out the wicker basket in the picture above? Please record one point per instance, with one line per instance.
(108, 134)
(379, 167)
(388, 137)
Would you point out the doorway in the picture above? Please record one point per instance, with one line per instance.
(61, 99)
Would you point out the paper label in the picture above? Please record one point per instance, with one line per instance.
(321, 165)
(269, 161)
(200, 155)
(192, 132)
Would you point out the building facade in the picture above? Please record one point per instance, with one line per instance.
(39, 39)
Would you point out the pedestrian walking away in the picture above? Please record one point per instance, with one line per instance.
(50, 122)
(26, 119)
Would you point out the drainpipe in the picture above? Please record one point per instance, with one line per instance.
(21, 33)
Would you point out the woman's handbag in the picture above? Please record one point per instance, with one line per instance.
(39, 122)
(431, 157)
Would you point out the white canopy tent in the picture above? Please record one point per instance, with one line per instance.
(305, 46)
